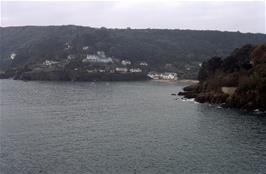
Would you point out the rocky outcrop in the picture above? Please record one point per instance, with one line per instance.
(236, 81)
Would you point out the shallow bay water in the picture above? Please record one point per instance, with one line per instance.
(123, 128)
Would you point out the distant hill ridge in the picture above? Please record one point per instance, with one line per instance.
(165, 50)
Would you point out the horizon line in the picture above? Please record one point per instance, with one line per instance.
(130, 28)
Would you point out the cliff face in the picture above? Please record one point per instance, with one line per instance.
(236, 81)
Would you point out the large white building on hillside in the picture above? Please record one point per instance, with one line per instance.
(98, 58)
(125, 62)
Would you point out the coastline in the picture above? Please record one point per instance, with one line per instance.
(189, 81)
(182, 81)
(238, 81)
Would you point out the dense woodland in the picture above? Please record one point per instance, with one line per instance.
(180, 51)
(238, 80)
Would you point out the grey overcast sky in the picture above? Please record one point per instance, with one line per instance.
(226, 16)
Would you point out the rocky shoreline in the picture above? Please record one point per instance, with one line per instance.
(238, 81)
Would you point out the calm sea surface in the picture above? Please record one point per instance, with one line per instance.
(123, 128)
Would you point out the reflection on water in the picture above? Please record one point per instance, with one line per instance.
(123, 127)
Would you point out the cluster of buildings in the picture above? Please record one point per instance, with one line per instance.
(100, 63)
(163, 76)
(123, 66)
(100, 57)
(49, 62)
(113, 70)
(125, 70)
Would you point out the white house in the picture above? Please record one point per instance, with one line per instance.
(101, 70)
(125, 62)
(168, 76)
(90, 58)
(67, 46)
(12, 56)
(121, 69)
(49, 62)
(101, 54)
(99, 58)
(143, 64)
(85, 47)
(135, 70)
(70, 57)
(153, 75)
(163, 76)
(105, 60)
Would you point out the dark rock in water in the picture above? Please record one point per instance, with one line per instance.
(190, 94)
(181, 93)
(8, 74)
(3, 75)
(237, 81)
(191, 88)
(214, 98)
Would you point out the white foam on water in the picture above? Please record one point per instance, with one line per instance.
(257, 111)
(191, 100)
